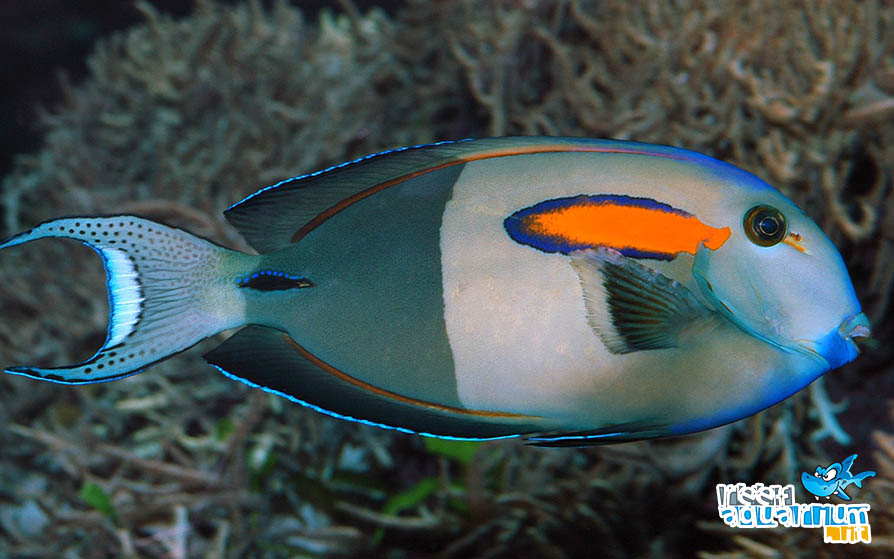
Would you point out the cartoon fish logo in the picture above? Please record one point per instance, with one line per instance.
(825, 482)
(572, 291)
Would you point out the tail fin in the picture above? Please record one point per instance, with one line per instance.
(167, 291)
(858, 479)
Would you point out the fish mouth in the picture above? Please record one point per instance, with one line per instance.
(840, 345)
(855, 328)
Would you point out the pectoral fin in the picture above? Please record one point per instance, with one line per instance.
(632, 307)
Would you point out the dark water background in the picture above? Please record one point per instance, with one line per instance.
(42, 38)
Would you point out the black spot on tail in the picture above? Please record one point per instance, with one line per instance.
(271, 280)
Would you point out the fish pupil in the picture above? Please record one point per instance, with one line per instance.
(769, 226)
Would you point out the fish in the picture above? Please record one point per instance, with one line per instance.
(825, 482)
(568, 291)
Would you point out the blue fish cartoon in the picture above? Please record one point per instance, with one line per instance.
(570, 291)
(826, 482)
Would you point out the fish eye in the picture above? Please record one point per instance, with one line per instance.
(764, 225)
(830, 475)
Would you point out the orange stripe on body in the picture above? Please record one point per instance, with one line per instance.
(341, 375)
(627, 227)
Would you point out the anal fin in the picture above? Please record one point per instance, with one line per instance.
(612, 434)
(266, 358)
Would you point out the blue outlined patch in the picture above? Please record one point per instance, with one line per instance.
(634, 226)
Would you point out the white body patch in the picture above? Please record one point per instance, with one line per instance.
(125, 294)
(516, 318)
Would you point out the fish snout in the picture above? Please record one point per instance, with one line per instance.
(815, 485)
(855, 326)
(840, 345)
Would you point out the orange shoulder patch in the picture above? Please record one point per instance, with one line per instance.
(637, 227)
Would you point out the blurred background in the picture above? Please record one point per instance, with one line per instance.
(174, 110)
(41, 40)
(45, 41)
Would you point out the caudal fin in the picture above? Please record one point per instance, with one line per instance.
(167, 290)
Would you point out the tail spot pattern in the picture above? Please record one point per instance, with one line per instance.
(152, 272)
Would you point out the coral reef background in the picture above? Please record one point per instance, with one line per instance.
(178, 118)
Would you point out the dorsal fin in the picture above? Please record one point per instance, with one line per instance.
(846, 465)
(276, 216)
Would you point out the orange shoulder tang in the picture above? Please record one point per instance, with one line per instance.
(637, 227)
